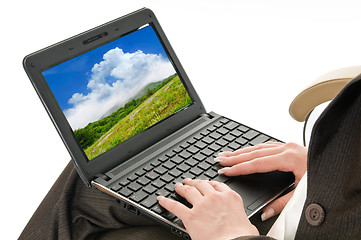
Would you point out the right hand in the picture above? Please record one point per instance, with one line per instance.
(267, 157)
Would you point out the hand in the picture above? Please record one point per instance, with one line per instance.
(217, 211)
(267, 157)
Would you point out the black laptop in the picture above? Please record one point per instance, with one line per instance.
(133, 123)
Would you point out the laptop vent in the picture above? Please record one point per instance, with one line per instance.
(146, 155)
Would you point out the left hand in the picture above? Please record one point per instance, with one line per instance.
(217, 211)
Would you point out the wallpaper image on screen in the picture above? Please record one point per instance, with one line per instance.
(117, 90)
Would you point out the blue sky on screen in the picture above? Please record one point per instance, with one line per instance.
(87, 86)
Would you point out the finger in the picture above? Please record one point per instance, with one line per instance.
(248, 156)
(173, 206)
(276, 206)
(202, 186)
(218, 186)
(249, 149)
(190, 193)
(259, 165)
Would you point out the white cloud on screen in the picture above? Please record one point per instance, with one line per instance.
(115, 80)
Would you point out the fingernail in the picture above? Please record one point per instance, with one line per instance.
(267, 214)
(187, 180)
(160, 198)
(177, 184)
(222, 170)
(222, 154)
(218, 160)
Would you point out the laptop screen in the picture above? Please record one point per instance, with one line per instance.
(117, 90)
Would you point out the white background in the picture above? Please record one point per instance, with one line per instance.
(247, 60)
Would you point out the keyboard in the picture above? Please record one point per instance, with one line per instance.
(192, 158)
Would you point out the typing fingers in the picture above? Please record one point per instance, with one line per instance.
(249, 154)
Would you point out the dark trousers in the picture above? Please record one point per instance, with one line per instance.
(73, 211)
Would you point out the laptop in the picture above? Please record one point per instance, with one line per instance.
(134, 124)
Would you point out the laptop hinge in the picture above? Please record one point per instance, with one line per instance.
(103, 176)
(207, 115)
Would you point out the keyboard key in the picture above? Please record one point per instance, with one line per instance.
(224, 120)
(167, 178)
(229, 137)
(215, 147)
(222, 142)
(222, 131)
(175, 172)
(250, 134)
(184, 145)
(231, 125)
(203, 177)
(204, 166)
(152, 175)
(218, 124)
(211, 161)
(158, 183)
(124, 182)
(211, 173)
(196, 171)
(143, 181)
(191, 162)
(199, 157)
(170, 187)
(168, 165)
(198, 137)
(215, 135)
(134, 186)
(177, 159)
(241, 141)
(139, 196)
(234, 146)
(207, 152)
(170, 154)
(148, 168)
(163, 159)
(177, 149)
(243, 128)
(236, 133)
(155, 163)
(140, 172)
(160, 170)
(132, 177)
(183, 167)
(259, 139)
(125, 192)
(221, 178)
(162, 192)
(150, 189)
(205, 132)
(211, 129)
(208, 140)
(188, 175)
(185, 154)
(158, 209)
(149, 201)
(200, 145)
(116, 188)
(193, 149)
(191, 141)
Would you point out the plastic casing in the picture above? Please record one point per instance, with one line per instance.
(41, 60)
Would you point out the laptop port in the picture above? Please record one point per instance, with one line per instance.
(132, 209)
(177, 231)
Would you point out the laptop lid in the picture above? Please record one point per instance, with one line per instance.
(90, 82)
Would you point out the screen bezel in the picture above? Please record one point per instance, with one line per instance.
(37, 62)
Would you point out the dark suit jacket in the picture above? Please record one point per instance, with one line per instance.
(333, 205)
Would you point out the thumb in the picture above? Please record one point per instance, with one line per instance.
(276, 206)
